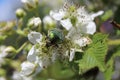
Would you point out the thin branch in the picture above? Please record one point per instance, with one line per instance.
(115, 24)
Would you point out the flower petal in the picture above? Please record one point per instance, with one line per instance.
(66, 23)
(91, 28)
(27, 68)
(57, 15)
(31, 55)
(48, 20)
(96, 14)
(72, 54)
(34, 37)
(44, 62)
(83, 41)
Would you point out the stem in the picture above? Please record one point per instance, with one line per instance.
(114, 42)
(21, 47)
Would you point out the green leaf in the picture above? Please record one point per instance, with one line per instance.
(94, 56)
(110, 64)
(107, 15)
(109, 70)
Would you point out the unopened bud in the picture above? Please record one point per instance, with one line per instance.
(20, 13)
(11, 51)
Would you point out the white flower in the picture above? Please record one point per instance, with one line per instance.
(83, 17)
(35, 37)
(27, 68)
(42, 60)
(77, 21)
(76, 17)
(33, 57)
(24, 1)
(35, 22)
(35, 54)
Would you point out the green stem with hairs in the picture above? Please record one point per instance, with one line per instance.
(18, 50)
(114, 42)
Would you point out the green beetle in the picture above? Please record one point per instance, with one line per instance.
(55, 36)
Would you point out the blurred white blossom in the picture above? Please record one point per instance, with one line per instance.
(34, 37)
(27, 68)
(30, 3)
(26, 1)
(3, 54)
(18, 76)
(2, 78)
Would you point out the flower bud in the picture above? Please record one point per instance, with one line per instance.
(20, 13)
(11, 52)
(30, 4)
(34, 22)
(49, 23)
(10, 49)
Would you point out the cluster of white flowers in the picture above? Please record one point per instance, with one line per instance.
(40, 56)
(78, 24)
